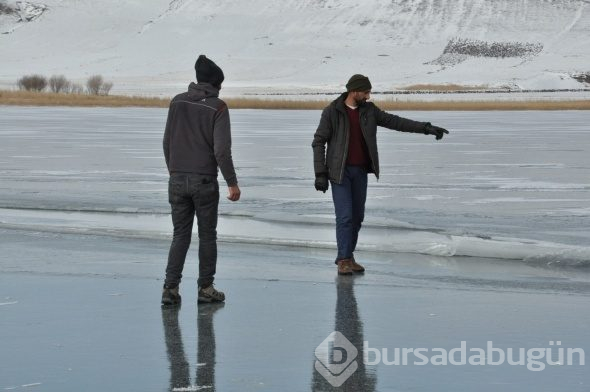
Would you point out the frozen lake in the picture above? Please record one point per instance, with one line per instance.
(511, 185)
(85, 230)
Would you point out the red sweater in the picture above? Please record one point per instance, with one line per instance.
(357, 147)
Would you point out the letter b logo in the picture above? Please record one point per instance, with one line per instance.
(336, 359)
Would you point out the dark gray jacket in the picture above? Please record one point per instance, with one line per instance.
(334, 130)
(197, 138)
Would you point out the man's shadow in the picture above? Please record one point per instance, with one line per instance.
(350, 325)
(179, 366)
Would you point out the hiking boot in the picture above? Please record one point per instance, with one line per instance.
(356, 267)
(209, 294)
(345, 267)
(170, 296)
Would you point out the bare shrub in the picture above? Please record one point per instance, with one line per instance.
(59, 84)
(32, 83)
(93, 84)
(106, 87)
(76, 88)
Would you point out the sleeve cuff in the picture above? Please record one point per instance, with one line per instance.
(232, 181)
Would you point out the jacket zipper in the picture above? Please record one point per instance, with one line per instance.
(364, 118)
(345, 152)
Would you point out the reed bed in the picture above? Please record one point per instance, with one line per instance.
(26, 98)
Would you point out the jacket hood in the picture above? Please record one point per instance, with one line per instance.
(202, 90)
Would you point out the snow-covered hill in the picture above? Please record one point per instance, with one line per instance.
(149, 46)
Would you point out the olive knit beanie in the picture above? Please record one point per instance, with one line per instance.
(358, 83)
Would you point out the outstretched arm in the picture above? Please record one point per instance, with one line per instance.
(401, 124)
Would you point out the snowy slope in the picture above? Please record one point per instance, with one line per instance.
(149, 46)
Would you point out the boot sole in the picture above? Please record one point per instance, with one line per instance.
(171, 303)
(204, 300)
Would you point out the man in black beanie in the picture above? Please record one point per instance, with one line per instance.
(208, 72)
(197, 141)
(349, 127)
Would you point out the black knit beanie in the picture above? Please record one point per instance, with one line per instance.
(358, 83)
(208, 72)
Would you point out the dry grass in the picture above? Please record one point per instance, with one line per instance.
(23, 98)
(29, 98)
(442, 87)
(258, 103)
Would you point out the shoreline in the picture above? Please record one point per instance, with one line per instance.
(25, 98)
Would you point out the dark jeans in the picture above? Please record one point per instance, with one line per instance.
(349, 204)
(189, 194)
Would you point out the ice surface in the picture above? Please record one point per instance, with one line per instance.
(69, 334)
(503, 184)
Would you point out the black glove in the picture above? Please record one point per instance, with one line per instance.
(321, 182)
(430, 129)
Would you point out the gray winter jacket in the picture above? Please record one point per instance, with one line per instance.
(197, 138)
(334, 129)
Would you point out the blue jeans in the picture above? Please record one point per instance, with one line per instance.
(191, 194)
(349, 204)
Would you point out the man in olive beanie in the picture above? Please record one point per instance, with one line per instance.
(358, 83)
(349, 128)
(197, 141)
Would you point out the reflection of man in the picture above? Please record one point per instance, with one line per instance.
(179, 367)
(197, 141)
(206, 346)
(349, 127)
(349, 324)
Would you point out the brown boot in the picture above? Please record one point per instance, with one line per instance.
(356, 267)
(345, 267)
